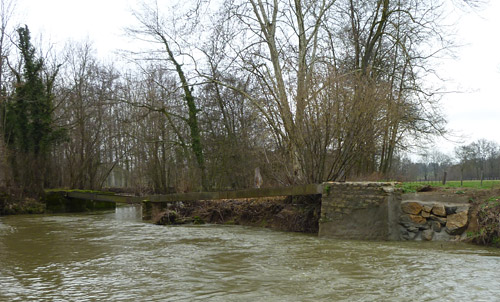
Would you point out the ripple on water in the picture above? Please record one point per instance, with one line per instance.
(115, 257)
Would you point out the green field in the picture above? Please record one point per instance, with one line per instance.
(455, 184)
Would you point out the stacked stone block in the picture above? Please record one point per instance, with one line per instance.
(432, 221)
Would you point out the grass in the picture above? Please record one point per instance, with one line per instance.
(411, 187)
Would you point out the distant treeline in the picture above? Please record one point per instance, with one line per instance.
(478, 160)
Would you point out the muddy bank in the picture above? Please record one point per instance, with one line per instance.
(292, 213)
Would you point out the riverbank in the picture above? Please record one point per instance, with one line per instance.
(485, 222)
(292, 214)
(10, 204)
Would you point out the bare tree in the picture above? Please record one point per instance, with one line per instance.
(154, 26)
(7, 8)
(463, 154)
(85, 93)
(481, 151)
(360, 60)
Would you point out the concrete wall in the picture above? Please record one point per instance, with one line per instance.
(360, 210)
(354, 210)
(61, 202)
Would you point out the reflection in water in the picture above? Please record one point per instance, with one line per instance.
(116, 257)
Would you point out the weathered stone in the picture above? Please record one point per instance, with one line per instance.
(413, 229)
(457, 223)
(441, 220)
(435, 226)
(424, 226)
(412, 219)
(450, 210)
(426, 208)
(418, 219)
(404, 218)
(425, 214)
(427, 235)
(411, 207)
(407, 235)
(439, 210)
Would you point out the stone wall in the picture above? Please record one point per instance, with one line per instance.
(427, 220)
(360, 210)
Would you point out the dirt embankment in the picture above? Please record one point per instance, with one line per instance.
(296, 214)
(484, 226)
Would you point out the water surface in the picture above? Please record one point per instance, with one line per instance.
(116, 257)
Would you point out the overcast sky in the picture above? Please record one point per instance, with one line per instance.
(473, 112)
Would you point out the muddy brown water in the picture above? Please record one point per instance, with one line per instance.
(114, 256)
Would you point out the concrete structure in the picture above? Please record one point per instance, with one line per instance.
(351, 210)
(360, 210)
(355, 210)
(64, 202)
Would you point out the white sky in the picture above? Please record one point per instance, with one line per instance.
(99, 21)
(474, 113)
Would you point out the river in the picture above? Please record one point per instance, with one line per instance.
(113, 256)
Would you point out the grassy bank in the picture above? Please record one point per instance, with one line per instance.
(411, 187)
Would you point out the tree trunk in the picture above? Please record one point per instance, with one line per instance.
(3, 162)
(192, 121)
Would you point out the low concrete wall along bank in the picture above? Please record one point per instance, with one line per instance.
(62, 202)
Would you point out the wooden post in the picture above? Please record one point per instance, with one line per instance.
(444, 177)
